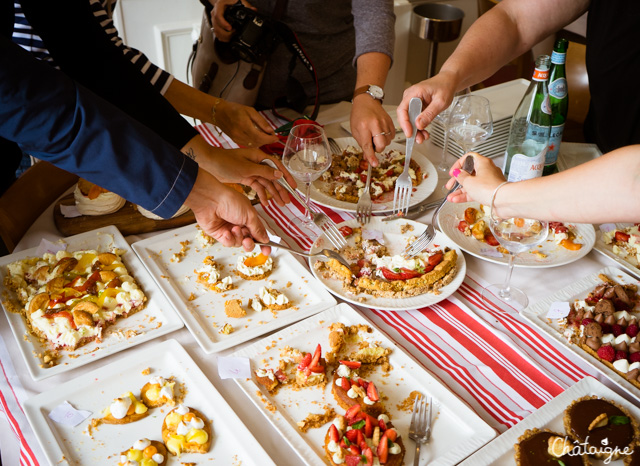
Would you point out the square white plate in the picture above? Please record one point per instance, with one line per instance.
(178, 281)
(579, 290)
(607, 250)
(457, 430)
(500, 451)
(156, 319)
(232, 443)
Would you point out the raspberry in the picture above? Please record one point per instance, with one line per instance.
(632, 330)
(586, 322)
(634, 357)
(620, 355)
(606, 328)
(607, 353)
(616, 330)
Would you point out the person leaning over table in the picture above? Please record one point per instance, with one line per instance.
(603, 190)
(350, 44)
(513, 26)
(69, 30)
(58, 120)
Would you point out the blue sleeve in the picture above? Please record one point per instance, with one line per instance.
(55, 119)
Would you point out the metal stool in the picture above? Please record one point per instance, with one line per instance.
(436, 22)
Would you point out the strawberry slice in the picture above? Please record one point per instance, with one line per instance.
(402, 274)
(436, 258)
(355, 449)
(462, 226)
(622, 236)
(383, 449)
(558, 227)
(352, 411)
(281, 376)
(346, 231)
(352, 435)
(372, 392)
(343, 443)
(306, 360)
(333, 433)
(352, 460)
(360, 438)
(382, 424)
(490, 239)
(344, 383)
(368, 454)
(368, 427)
(317, 369)
(351, 364)
(391, 434)
(316, 356)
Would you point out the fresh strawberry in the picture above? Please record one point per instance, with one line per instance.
(316, 369)
(620, 355)
(558, 227)
(346, 231)
(305, 362)
(333, 433)
(363, 383)
(402, 274)
(359, 416)
(352, 435)
(316, 356)
(391, 434)
(634, 357)
(372, 392)
(345, 384)
(352, 411)
(632, 330)
(382, 424)
(351, 364)
(368, 454)
(621, 236)
(436, 258)
(617, 330)
(490, 239)
(343, 443)
(368, 427)
(355, 449)
(462, 226)
(352, 460)
(383, 449)
(607, 353)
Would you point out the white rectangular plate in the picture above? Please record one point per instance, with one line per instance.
(579, 290)
(156, 319)
(204, 315)
(457, 430)
(500, 451)
(232, 443)
(607, 250)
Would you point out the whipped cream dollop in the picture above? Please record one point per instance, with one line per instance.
(105, 203)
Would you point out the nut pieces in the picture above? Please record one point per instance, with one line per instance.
(600, 421)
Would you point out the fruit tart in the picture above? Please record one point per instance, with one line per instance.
(350, 389)
(254, 266)
(311, 369)
(210, 276)
(124, 410)
(158, 391)
(359, 436)
(186, 430)
(144, 452)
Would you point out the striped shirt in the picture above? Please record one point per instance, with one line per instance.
(24, 36)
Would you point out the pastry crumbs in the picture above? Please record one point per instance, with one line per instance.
(407, 404)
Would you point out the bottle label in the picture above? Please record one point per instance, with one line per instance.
(545, 106)
(558, 58)
(523, 167)
(558, 88)
(554, 144)
(540, 74)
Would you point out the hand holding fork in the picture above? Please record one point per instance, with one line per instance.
(404, 186)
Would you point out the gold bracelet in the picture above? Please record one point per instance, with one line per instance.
(495, 191)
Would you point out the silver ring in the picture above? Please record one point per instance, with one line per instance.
(384, 133)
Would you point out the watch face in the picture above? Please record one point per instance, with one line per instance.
(376, 92)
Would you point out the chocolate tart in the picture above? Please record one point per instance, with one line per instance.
(620, 431)
(634, 458)
(532, 449)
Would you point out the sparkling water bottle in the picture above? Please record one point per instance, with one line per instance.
(530, 128)
(559, 99)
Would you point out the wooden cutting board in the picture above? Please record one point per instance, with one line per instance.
(128, 220)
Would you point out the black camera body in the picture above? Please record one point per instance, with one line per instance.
(255, 35)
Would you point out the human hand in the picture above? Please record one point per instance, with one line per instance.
(225, 215)
(371, 124)
(244, 124)
(436, 94)
(478, 187)
(222, 28)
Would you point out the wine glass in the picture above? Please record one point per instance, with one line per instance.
(307, 156)
(516, 235)
(443, 119)
(470, 121)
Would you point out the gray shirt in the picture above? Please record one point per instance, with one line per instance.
(333, 33)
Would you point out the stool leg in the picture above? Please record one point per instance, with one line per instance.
(433, 55)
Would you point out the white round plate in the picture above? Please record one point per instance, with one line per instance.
(385, 203)
(395, 242)
(451, 214)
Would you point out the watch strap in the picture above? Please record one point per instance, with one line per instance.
(362, 90)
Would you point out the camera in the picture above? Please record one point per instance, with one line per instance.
(254, 36)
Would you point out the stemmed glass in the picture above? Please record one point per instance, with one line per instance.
(470, 121)
(516, 235)
(307, 156)
(443, 119)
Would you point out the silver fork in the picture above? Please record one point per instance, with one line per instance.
(402, 193)
(321, 219)
(420, 427)
(363, 209)
(422, 241)
(335, 147)
(326, 253)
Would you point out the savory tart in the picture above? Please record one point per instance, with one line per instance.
(254, 266)
(186, 430)
(144, 452)
(210, 276)
(366, 437)
(124, 410)
(158, 391)
(544, 447)
(69, 298)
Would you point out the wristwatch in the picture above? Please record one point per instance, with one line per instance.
(374, 91)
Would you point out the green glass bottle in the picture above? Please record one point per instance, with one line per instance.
(559, 100)
(530, 127)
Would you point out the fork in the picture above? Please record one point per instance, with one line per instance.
(321, 219)
(326, 253)
(363, 209)
(335, 147)
(404, 186)
(420, 427)
(422, 241)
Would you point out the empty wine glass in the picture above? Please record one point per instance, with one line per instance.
(443, 119)
(470, 121)
(307, 156)
(516, 235)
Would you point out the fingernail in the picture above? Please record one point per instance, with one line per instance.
(456, 172)
(278, 174)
